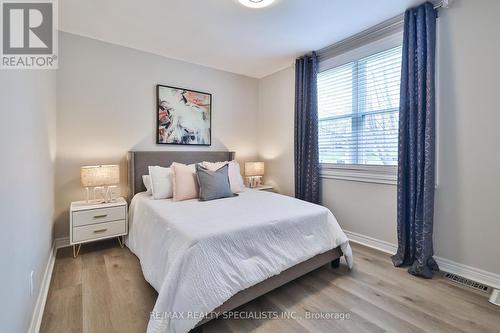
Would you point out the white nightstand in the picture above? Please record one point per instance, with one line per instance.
(269, 188)
(90, 222)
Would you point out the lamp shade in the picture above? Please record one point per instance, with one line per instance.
(99, 175)
(254, 168)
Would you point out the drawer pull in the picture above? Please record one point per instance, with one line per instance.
(100, 230)
(100, 216)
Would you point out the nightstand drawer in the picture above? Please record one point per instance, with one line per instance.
(98, 231)
(92, 216)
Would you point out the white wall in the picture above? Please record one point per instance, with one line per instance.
(106, 107)
(365, 208)
(275, 129)
(27, 127)
(467, 200)
(467, 206)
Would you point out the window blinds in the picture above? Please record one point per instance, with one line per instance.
(358, 106)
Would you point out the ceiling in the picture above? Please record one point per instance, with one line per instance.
(224, 34)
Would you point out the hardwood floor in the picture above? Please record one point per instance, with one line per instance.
(103, 290)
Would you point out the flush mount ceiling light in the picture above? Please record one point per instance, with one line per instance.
(256, 3)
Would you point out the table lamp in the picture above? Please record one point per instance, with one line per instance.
(254, 172)
(100, 176)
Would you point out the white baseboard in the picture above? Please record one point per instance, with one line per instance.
(469, 272)
(36, 319)
(371, 242)
(61, 242)
(446, 265)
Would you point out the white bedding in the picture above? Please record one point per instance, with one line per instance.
(199, 254)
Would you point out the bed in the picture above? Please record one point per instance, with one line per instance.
(205, 258)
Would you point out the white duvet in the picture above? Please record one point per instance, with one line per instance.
(199, 254)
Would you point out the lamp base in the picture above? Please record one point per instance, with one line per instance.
(110, 193)
(254, 181)
(102, 194)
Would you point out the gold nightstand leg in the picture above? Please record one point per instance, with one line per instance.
(76, 250)
(121, 241)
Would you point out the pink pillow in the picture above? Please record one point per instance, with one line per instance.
(185, 182)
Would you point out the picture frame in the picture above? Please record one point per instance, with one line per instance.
(183, 116)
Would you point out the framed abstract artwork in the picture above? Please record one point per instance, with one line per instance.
(184, 116)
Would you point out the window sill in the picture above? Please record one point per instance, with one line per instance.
(379, 174)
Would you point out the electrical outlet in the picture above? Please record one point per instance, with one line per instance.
(32, 275)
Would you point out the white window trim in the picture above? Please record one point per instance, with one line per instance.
(379, 174)
(362, 51)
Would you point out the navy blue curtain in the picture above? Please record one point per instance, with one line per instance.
(416, 156)
(306, 129)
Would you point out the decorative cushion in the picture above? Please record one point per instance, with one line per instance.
(185, 181)
(161, 182)
(234, 172)
(213, 184)
(146, 179)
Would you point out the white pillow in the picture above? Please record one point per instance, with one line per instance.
(161, 182)
(146, 179)
(234, 173)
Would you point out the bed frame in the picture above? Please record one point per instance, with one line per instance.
(138, 162)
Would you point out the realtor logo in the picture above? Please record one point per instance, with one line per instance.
(29, 34)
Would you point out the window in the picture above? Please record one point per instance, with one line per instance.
(358, 109)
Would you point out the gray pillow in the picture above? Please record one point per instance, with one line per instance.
(213, 184)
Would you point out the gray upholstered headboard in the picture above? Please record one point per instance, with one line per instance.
(138, 162)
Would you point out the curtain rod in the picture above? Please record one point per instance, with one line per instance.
(443, 4)
(381, 30)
